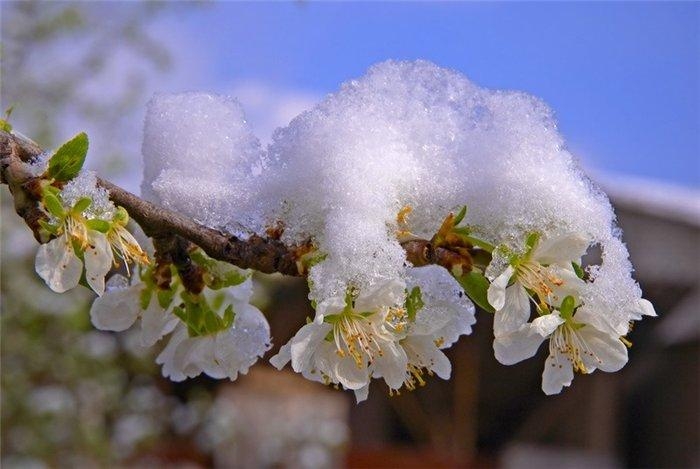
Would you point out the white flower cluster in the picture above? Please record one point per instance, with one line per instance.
(88, 230)
(387, 160)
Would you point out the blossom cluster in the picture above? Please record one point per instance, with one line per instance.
(390, 159)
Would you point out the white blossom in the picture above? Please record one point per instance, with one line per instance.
(59, 266)
(120, 307)
(544, 269)
(225, 353)
(575, 345)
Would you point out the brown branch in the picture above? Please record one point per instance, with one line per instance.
(264, 254)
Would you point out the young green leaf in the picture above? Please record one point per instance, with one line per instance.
(6, 126)
(414, 302)
(53, 205)
(475, 285)
(82, 204)
(68, 160)
(566, 310)
(580, 273)
(460, 216)
(96, 224)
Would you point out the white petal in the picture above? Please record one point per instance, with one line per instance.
(547, 324)
(330, 306)
(423, 353)
(241, 292)
(496, 294)
(362, 394)
(562, 249)
(283, 357)
(571, 284)
(558, 373)
(117, 309)
(238, 348)
(171, 369)
(58, 265)
(392, 365)
(586, 315)
(387, 293)
(98, 261)
(646, 308)
(514, 313)
(606, 353)
(304, 344)
(350, 375)
(517, 346)
(155, 323)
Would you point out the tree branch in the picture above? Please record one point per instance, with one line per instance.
(264, 254)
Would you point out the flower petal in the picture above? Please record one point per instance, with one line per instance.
(518, 345)
(362, 394)
(171, 368)
(304, 344)
(58, 265)
(155, 323)
(547, 324)
(496, 294)
(283, 357)
(606, 353)
(350, 375)
(423, 353)
(388, 293)
(558, 373)
(98, 261)
(561, 249)
(392, 364)
(514, 313)
(117, 309)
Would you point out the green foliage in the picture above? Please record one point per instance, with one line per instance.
(68, 160)
(414, 303)
(475, 285)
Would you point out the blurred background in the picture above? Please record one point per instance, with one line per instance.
(623, 79)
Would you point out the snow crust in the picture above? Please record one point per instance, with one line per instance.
(406, 133)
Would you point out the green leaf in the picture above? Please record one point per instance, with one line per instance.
(98, 225)
(180, 312)
(145, 298)
(6, 126)
(68, 160)
(165, 297)
(460, 216)
(531, 241)
(566, 310)
(414, 303)
(221, 274)
(82, 204)
(475, 285)
(53, 205)
(53, 229)
(229, 316)
(580, 273)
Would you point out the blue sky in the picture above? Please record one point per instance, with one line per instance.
(623, 78)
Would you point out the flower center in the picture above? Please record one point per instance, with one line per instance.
(356, 335)
(538, 278)
(568, 341)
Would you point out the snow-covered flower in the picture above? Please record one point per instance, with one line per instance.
(395, 331)
(123, 304)
(444, 315)
(350, 338)
(575, 345)
(544, 270)
(225, 352)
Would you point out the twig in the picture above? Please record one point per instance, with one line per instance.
(264, 254)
